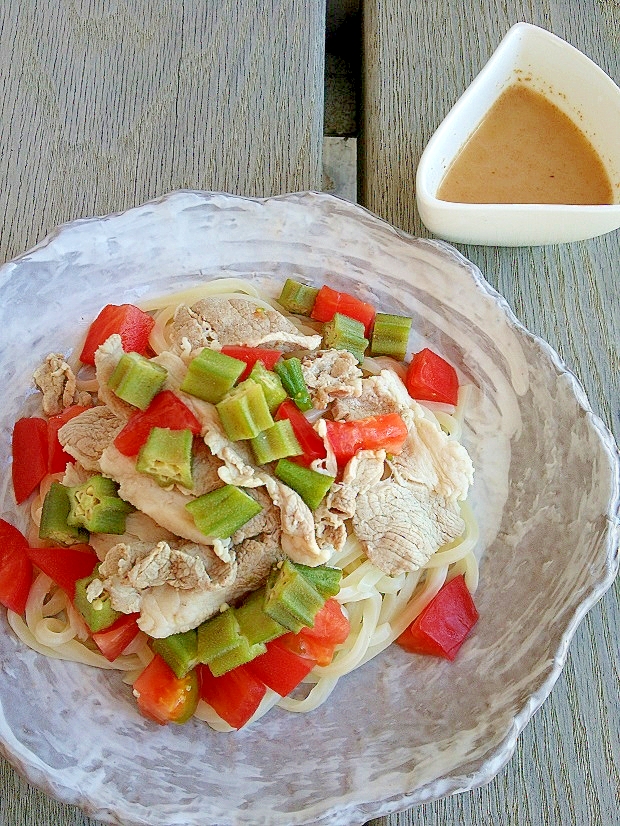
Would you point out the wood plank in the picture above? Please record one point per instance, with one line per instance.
(418, 59)
(106, 105)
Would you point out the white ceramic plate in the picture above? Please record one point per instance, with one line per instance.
(402, 729)
(578, 87)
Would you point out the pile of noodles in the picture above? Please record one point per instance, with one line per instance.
(379, 607)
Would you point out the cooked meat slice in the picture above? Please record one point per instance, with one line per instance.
(361, 473)
(169, 607)
(402, 527)
(374, 400)
(331, 374)
(175, 366)
(86, 436)
(138, 527)
(142, 577)
(430, 457)
(107, 356)
(266, 521)
(217, 321)
(236, 457)
(57, 381)
(298, 537)
(165, 506)
(205, 469)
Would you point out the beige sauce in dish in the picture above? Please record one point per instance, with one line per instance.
(526, 151)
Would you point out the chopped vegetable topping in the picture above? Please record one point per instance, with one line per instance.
(244, 412)
(130, 323)
(292, 377)
(431, 378)
(223, 511)
(297, 297)
(211, 375)
(442, 627)
(167, 457)
(329, 301)
(344, 333)
(309, 484)
(136, 380)
(390, 335)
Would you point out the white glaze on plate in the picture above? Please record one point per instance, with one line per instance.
(546, 494)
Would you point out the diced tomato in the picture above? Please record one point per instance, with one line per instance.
(251, 355)
(280, 668)
(131, 323)
(387, 431)
(328, 302)
(166, 410)
(162, 696)
(442, 627)
(15, 568)
(65, 565)
(30, 455)
(309, 440)
(235, 695)
(57, 457)
(331, 628)
(430, 378)
(112, 641)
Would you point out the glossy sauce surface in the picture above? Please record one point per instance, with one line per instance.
(526, 151)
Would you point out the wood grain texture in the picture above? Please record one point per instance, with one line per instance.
(418, 59)
(109, 103)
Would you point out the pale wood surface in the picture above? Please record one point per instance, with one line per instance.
(418, 58)
(108, 103)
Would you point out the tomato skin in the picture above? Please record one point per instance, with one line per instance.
(15, 568)
(234, 696)
(166, 410)
(29, 447)
(162, 696)
(251, 355)
(328, 302)
(130, 322)
(112, 641)
(280, 668)
(65, 565)
(57, 457)
(387, 431)
(309, 440)
(430, 378)
(442, 627)
(331, 628)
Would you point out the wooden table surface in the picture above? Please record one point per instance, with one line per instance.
(106, 104)
(418, 59)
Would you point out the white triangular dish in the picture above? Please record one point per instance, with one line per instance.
(577, 86)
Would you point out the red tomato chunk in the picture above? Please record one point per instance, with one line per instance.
(162, 696)
(309, 440)
(387, 432)
(131, 323)
(280, 668)
(15, 568)
(442, 627)
(58, 459)
(251, 355)
(430, 378)
(30, 455)
(328, 302)
(114, 640)
(166, 410)
(65, 565)
(234, 696)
